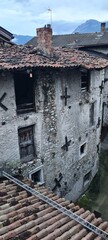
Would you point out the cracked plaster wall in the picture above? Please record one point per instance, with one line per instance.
(53, 121)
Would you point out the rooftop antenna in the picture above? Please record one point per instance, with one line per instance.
(50, 15)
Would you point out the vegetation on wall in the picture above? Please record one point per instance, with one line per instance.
(95, 198)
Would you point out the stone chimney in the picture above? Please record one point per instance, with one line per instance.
(103, 24)
(44, 39)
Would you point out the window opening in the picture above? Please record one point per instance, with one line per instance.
(26, 143)
(24, 90)
(37, 175)
(92, 114)
(85, 79)
(83, 149)
(87, 177)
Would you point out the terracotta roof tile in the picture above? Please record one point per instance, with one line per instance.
(19, 57)
(32, 219)
(79, 235)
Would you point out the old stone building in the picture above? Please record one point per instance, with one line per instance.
(50, 114)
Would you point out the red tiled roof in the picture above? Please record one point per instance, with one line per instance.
(19, 57)
(25, 217)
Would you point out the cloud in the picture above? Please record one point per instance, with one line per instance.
(24, 16)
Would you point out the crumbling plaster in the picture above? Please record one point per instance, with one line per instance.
(53, 121)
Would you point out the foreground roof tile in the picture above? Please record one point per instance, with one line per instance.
(28, 218)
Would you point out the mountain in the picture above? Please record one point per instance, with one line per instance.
(21, 39)
(63, 27)
(89, 26)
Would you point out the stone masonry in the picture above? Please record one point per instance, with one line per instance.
(66, 143)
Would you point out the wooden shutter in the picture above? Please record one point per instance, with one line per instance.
(26, 144)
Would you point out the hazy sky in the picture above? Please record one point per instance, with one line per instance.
(24, 16)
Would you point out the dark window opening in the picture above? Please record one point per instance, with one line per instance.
(85, 81)
(92, 114)
(26, 143)
(36, 177)
(87, 177)
(24, 90)
(82, 149)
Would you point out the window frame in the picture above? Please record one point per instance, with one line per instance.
(40, 168)
(21, 79)
(27, 145)
(85, 80)
(87, 179)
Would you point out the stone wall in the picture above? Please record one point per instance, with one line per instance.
(55, 122)
(105, 100)
(9, 149)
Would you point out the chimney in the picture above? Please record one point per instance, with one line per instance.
(44, 39)
(103, 24)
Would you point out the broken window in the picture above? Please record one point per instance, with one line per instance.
(26, 143)
(92, 114)
(85, 79)
(24, 90)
